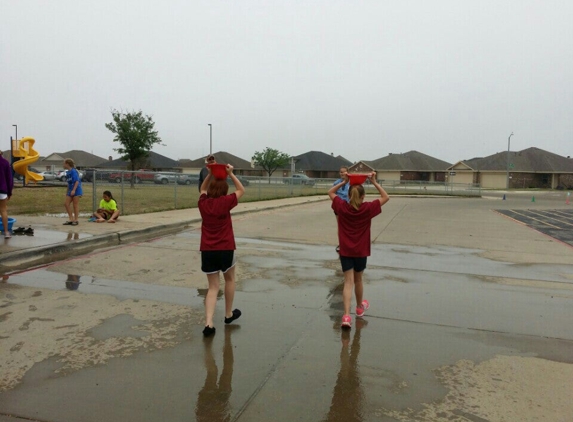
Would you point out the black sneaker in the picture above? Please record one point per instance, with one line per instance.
(236, 315)
(208, 331)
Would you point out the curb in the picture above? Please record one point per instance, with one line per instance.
(43, 255)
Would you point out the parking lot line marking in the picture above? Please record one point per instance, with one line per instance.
(535, 219)
(552, 218)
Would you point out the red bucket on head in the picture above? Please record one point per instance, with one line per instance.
(219, 171)
(357, 179)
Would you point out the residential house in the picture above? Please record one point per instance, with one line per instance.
(153, 161)
(240, 166)
(317, 165)
(82, 160)
(412, 165)
(529, 168)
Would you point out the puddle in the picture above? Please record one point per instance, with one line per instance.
(118, 326)
(122, 290)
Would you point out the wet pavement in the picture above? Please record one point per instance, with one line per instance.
(456, 330)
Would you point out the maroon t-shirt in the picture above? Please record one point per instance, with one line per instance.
(354, 226)
(217, 228)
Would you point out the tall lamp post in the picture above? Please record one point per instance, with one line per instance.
(210, 139)
(508, 143)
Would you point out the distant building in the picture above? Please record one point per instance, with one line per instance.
(529, 168)
(412, 165)
(317, 164)
(240, 166)
(82, 159)
(153, 161)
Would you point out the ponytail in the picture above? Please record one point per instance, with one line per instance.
(356, 195)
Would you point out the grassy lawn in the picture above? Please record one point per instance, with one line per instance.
(142, 198)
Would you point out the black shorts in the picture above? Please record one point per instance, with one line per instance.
(352, 263)
(215, 261)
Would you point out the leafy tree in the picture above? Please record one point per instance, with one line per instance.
(270, 160)
(135, 132)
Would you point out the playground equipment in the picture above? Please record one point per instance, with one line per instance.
(27, 155)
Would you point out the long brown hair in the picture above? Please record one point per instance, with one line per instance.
(356, 195)
(217, 188)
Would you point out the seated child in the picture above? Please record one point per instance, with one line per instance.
(107, 210)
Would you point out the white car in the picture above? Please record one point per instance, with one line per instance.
(48, 175)
(61, 176)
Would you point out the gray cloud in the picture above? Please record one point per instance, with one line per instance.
(451, 79)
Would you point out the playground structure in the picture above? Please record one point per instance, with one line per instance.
(27, 155)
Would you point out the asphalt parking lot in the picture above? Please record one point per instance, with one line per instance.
(555, 223)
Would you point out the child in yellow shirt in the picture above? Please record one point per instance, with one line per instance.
(107, 210)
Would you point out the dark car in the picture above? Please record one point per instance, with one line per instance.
(188, 179)
(89, 174)
(244, 181)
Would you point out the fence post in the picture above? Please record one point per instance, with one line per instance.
(94, 193)
(175, 193)
(122, 202)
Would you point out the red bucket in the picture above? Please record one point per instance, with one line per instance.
(357, 179)
(219, 171)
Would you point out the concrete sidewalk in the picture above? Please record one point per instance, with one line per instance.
(53, 241)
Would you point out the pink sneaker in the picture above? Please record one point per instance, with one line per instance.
(360, 309)
(346, 321)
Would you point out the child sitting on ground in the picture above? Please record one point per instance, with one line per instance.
(107, 210)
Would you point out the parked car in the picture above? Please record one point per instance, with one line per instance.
(244, 181)
(61, 175)
(188, 179)
(165, 178)
(299, 179)
(89, 174)
(48, 175)
(141, 176)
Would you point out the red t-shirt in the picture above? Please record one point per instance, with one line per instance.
(354, 226)
(217, 228)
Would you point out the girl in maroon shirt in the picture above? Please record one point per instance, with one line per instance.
(354, 221)
(218, 243)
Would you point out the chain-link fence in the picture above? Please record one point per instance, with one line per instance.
(141, 192)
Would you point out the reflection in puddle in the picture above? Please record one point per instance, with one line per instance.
(348, 393)
(73, 282)
(121, 290)
(213, 399)
(73, 236)
(203, 293)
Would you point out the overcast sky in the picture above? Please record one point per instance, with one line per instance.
(361, 79)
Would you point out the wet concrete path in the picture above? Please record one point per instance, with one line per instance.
(451, 335)
(287, 359)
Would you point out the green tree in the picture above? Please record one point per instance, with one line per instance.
(135, 132)
(270, 160)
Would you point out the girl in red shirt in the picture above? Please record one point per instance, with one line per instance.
(218, 243)
(354, 221)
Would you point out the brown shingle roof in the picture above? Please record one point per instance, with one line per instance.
(81, 158)
(409, 161)
(528, 160)
(221, 157)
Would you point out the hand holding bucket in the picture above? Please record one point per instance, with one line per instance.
(219, 171)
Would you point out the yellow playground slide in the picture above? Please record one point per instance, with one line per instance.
(27, 155)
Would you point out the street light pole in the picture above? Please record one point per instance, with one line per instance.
(210, 139)
(508, 143)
